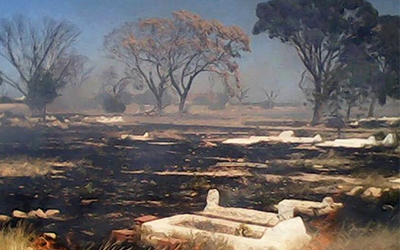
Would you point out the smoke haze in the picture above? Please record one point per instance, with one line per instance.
(271, 64)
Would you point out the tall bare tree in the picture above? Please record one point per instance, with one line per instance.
(40, 54)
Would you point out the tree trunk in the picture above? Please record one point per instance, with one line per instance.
(43, 113)
(371, 107)
(347, 119)
(317, 113)
(182, 102)
(159, 106)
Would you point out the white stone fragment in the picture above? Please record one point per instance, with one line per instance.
(390, 140)
(114, 119)
(286, 134)
(310, 208)
(145, 137)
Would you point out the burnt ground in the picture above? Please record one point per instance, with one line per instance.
(113, 181)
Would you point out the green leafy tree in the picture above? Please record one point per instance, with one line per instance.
(319, 31)
(359, 72)
(385, 50)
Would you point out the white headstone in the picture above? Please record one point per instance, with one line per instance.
(213, 198)
(285, 210)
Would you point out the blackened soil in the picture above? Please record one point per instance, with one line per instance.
(103, 174)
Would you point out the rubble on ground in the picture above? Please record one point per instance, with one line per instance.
(38, 213)
(114, 119)
(354, 191)
(58, 124)
(372, 192)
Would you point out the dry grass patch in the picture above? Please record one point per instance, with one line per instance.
(18, 238)
(12, 167)
(169, 134)
(374, 180)
(368, 239)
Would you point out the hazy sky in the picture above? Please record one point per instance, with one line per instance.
(270, 64)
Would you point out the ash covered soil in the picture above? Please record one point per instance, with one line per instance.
(100, 182)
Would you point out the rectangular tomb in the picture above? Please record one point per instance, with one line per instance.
(287, 235)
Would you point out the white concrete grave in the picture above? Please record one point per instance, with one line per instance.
(145, 137)
(287, 208)
(350, 143)
(284, 137)
(289, 234)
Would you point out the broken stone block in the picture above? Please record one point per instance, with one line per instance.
(4, 218)
(390, 140)
(52, 212)
(19, 214)
(88, 201)
(372, 192)
(146, 218)
(114, 119)
(354, 191)
(310, 208)
(59, 124)
(145, 137)
(286, 134)
(41, 214)
(50, 235)
(32, 214)
(123, 235)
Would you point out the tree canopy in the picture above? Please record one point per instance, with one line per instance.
(174, 51)
(319, 31)
(386, 51)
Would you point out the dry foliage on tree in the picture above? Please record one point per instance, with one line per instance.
(173, 52)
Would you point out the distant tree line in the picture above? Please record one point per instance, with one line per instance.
(349, 52)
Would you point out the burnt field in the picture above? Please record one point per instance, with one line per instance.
(100, 182)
